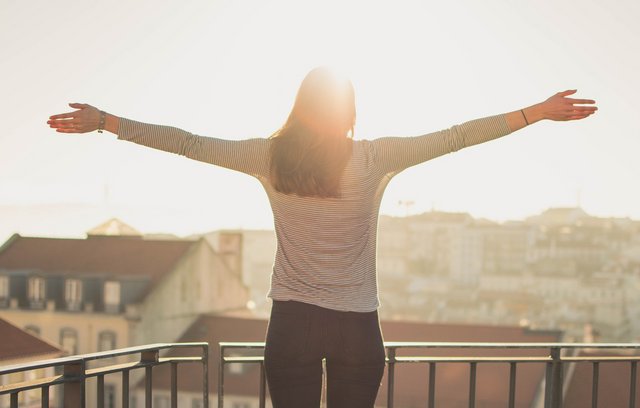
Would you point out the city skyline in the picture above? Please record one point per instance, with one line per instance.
(88, 217)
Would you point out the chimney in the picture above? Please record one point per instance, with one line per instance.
(229, 247)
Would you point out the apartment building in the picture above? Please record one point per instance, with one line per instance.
(111, 291)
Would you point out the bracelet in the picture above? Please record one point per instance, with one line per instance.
(103, 116)
(525, 117)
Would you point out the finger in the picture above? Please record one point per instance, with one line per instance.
(79, 105)
(64, 115)
(59, 122)
(578, 109)
(63, 125)
(567, 92)
(65, 120)
(581, 101)
(586, 109)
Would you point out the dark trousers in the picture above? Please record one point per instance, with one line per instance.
(301, 335)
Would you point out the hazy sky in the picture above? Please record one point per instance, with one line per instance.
(231, 69)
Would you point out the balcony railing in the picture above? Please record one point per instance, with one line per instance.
(556, 358)
(75, 373)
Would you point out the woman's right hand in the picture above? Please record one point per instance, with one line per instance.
(85, 119)
(561, 108)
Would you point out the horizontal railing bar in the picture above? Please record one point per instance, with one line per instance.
(422, 359)
(116, 368)
(33, 384)
(542, 359)
(240, 344)
(180, 360)
(254, 359)
(471, 359)
(598, 359)
(408, 344)
(468, 359)
(94, 372)
(96, 356)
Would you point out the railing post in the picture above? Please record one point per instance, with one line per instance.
(221, 379)
(472, 385)
(512, 385)
(174, 385)
(432, 385)
(73, 388)
(44, 397)
(100, 402)
(391, 376)
(632, 384)
(263, 394)
(150, 356)
(553, 380)
(205, 375)
(125, 389)
(594, 384)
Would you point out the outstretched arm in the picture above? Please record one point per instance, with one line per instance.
(394, 154)
(247, 156)
(558, 107)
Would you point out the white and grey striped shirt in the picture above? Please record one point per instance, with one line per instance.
(326, 253)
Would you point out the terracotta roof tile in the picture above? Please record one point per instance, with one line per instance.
(18, 344)
(109, 255)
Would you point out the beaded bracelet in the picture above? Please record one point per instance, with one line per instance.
(103, 116)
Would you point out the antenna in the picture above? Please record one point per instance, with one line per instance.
(579, 197)
(407, 204)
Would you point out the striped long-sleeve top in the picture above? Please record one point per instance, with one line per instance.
(326, 247)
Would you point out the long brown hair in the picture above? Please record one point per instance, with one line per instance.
(310, 151)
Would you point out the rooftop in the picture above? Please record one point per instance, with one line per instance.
(17, 344)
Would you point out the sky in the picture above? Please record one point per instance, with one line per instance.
(231, 69)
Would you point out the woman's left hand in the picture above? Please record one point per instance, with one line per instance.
(85, 119)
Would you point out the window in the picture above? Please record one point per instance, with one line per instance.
(36, 292)
(4, 287)
(73, 293)
(112, 296)
(69, 341)
(106, 341)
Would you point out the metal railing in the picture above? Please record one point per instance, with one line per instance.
(75, 373)
(558, 356)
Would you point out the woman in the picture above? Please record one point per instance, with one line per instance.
(325, 191)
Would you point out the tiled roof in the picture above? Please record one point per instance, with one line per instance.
(411, 379)
(18, 344)
(108, 255)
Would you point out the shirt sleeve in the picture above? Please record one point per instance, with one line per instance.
(247, 156)
(394, 154)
